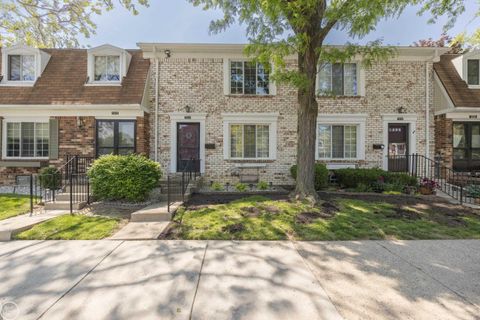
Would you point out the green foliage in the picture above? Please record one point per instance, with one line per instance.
(351, 178)
(321, 175)
(262, 185)
(363, 187)
(216, 186)
(241, 187)
(47, 23)
(128, 178)
(50, 178)
(473, 191)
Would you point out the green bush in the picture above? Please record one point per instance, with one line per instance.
(128, 178)
(351, 178)
(241, 187)
(321, 175)
(50, 178)
(216, 186)
(262, 185)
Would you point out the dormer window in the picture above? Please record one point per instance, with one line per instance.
(107, 65)
(21, 68)
(107, 68)
(473, 72)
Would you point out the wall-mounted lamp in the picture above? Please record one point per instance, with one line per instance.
(1, 78)
(168, 53)
(401, 110)
(80, 122)
(188, 109)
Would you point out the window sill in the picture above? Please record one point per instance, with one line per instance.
(250, 96)
(340, 97)
(17, 83)
(253, 162)
(473, 86)
(22, 163)
(103, 84)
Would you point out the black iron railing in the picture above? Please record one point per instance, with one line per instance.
(70, 181)
(177, 183)
(463, 187)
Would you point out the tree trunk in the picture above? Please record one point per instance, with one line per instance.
(307, 127)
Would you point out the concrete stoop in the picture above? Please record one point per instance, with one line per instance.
(154, 213)
(141, 231)
(64, 205)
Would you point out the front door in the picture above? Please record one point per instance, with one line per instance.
(188, 146)
(398, 147)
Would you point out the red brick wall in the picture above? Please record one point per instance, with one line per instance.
(143, 135)
(443, 139)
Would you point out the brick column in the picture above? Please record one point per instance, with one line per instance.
(143, 135)
(444, 139)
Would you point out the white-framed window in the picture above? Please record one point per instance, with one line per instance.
(473, 72)
(250, 136)
(107, 68)
(249, 78)
(340, 79)
(21, 67)
(26, 139)
(249, 141)
(337, 141)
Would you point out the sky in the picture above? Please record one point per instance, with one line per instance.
(179, 21)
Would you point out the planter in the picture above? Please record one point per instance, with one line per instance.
(426, 191)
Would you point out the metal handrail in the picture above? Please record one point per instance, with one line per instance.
(189, 172)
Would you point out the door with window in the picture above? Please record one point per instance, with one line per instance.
(188, 146)
(398, 147)
(115, 137)
(466, 146)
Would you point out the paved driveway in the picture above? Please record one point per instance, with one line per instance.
(240, 280)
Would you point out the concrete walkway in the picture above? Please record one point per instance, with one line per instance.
(241, 280)
(13, 225)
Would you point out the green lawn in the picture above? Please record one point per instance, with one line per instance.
(72, 227)
(258, 218)
(12, 205)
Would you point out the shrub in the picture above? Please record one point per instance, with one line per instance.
(351, 178)
(241, 187)
(50, 178)
(321, 175)
(128, 178)
(473, 191)
(262, 185)
(217, 186)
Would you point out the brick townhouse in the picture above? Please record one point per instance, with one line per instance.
(208, 102)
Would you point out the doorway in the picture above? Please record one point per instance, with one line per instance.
(188, 145)
(398, 147)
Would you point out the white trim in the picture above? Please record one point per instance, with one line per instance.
(6, 120)
(269, 119)
(72, 111)
(107, 50)
(411, 120)
(177, 117)
(344, 119)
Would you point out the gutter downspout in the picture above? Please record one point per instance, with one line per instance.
(427, 111)
(157, 98)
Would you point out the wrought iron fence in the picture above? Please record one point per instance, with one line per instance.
(463, 187)
(177, 183)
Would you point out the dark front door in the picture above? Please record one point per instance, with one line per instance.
(466, 146)
(398, 147)
(188, 146)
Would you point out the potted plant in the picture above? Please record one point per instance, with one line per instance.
(427, 186)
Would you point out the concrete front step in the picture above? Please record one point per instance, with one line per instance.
(66, 196)
(64, 205)
(154, 212)
(141, 231)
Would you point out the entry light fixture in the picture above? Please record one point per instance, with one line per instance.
(401, 110)
(168, 53)
(188, 109)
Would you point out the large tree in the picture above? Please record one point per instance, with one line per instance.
(53, 23)
(281, 28)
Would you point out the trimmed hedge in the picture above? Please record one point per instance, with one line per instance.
(321, 175)
(352, 178)
(50, 178)
(129, 178)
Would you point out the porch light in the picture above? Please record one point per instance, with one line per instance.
(227, 185)
(188, 109)
(168, 53)
(401, 110)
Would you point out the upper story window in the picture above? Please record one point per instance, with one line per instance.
(21, 68)
(248, 77)
(107, 68)
(339, 79)
(473, 72)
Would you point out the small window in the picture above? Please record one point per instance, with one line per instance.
(21, 68)
(248, 78)
(115, 137)
(107, 68)
(249, 141)
(473, 75)
(27, 140)
(337, 141)
(338, 79)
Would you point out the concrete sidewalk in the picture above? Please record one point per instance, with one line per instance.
(13, 225)
(241, 280)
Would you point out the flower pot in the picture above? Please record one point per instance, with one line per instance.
(425, 191)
